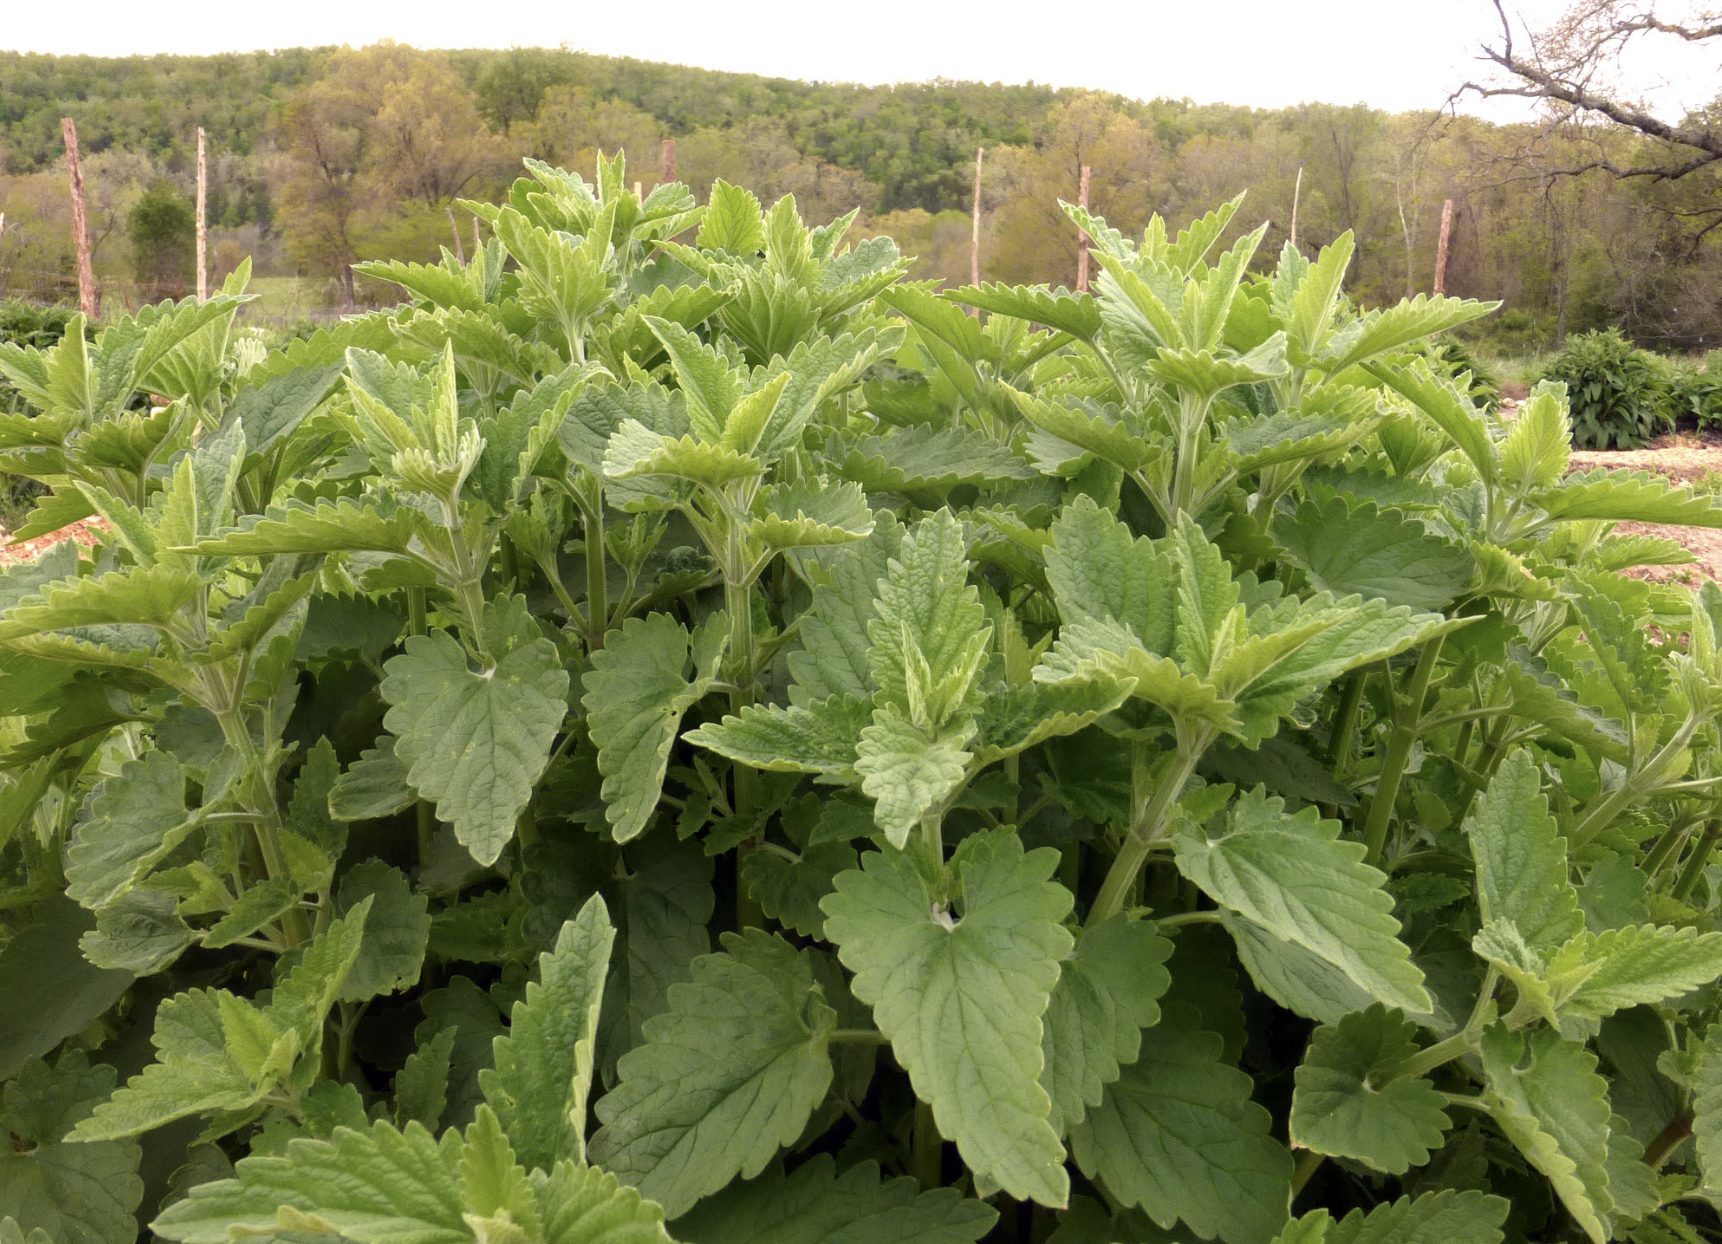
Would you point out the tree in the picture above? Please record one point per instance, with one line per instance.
(162, 228)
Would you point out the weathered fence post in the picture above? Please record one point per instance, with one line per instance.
(1082, 239)
(80, 223)
(1441, 247)
(975, 234)
(202, 220)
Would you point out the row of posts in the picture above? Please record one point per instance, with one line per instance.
(87, 279)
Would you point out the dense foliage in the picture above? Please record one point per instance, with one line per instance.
(708, 739)
(1619, 394)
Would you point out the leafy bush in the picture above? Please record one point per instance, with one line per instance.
(1696, 392)
(1619, 395)
(24, 324)
(1450, 358)
(1106, 740)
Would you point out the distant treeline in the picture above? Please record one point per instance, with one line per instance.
(324, 156)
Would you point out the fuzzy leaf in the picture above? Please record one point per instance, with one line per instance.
(543, 1070)
(1341, 1110)
(905, 772)
(1178, 1136)
(1376, 553)
(1554, 1108)
(960, 994)
(136, 818)
(1108, 991)
(818, 739)
(1296, 877)
(1445, 1217)
(638, 688)
(1521, 857)
(396, 931)
(727, 1076)
(476, 743)
(816, 1205)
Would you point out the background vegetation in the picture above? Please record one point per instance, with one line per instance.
(326, 156)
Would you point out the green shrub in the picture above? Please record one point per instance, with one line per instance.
(1620, 395)
(1696, 392)
(1451, 359)
(710, 739)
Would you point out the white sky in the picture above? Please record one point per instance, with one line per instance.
(1395, 54)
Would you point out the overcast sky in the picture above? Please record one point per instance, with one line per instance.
(1395, 54)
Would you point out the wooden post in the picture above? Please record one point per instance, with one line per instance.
(975, 234)
(202, 221)
(1297, 193)
(669, 160)
(477, 241)
(1082, 240)
(454, 228)
(80, 223)
(1441, 247)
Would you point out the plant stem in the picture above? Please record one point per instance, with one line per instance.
(1668, 1140)
(1665, 845)
(1604, 808)
(933, 831)
(597, 584)
(927, 1148)
(1696, 862)
(1426, 1060)
(1345, 722)
(1407, 716)
(1149, 824)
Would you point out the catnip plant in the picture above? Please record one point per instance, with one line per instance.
(678, 732)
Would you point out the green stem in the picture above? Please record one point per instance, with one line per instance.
(1668, 1140)
(1426, 1060)
(1345, 722)
(933, 831)
(928, 1148)
(425, 814)
(1696, 862)
(597, 584)
(1407, 716)
(1604, 808)
(1669, 841)
(1149, 824)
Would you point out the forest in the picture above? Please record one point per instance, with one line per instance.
(324, 157)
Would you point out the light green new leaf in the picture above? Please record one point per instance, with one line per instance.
(727, 1076)
(1628, 496)
(543, 1070)
(930, 620)
(1538, 446)
(1451, 411)
(1098, 570)
(377, 1187)
(1343, 1109)
(135, 819)
(816, 1205)
(475, 742)
(1296, 877)
(1445, 1217)
(1388, 328)
(1378, 554)
(1108, 991)
(646, 676)
(1308, 311)
(1596, 974)
(143, 596)
(905, 772)
(1521, 857)
(1178, 1135)
(733, 222)
(1015, 718)
(584, 1205)
(960, 994)
(834, 639)
(1059, 310)
(1554, 1108)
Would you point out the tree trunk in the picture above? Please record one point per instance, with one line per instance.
(1441, 246)
(1082, 240)
(80, 223)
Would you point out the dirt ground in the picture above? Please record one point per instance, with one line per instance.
(29, 550)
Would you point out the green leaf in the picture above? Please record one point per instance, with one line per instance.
(1295, 876)
(821, 738)
(1545, 1094)
(1596, 974)
(1388, 328)
(144, 596)
(67, 993)
(1309, 310)
(543, 1070)
(326, 527)
(925, 459)
(1451, 411)
(421, 1085)
(1521, 857)
(1298, 979)
(732, 222)
(816, 1205)
(929, 618)
(905, 772)
(141, 932)
(1178, 1135)
(726, 1077)
(1343, 1108)
(834, 639)
(1058, 309)
(1013, 719)
(475, 742)
(1629, 496)
(377, 1187)
(584, 1205)
(1707, 1110)
(71, 1194)
(396, 931)
(960, 994)
(1098, 570)
(1538, 446)
(646, 676)
(374, 786)
(1108, 991)
(1378, 554)
(1445, 1217)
